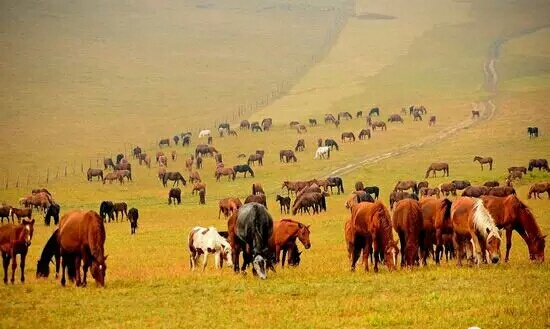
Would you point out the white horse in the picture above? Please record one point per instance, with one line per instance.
(205, 133)
(206, 241)
(322, 151)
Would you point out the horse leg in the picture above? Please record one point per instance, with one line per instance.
(458, 248)
(476, 248)
(285, 250)
(77, 261)
(401, 235)
(63, 268)
(13, 266)
(5, 263)
(85, 270)
(438, 245)
(375, 251)
(205, 260)
(57, 258)
(22, 266)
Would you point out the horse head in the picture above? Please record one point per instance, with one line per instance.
(303, 235)
(390, 254)
(259, 263)
(98, 270)
(27, 231)
(536, 249)
(493, 245)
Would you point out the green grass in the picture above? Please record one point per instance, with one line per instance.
(439, 65)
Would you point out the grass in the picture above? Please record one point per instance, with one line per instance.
(439, 65)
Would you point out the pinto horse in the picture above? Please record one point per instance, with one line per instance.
(14, 240)
(512, 214)
(371, 226)
(407, 222)
(285, 233)
(484, 160)
(81, 238)
(474, 227)
(438, 166)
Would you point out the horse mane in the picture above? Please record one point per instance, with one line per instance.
(518, 205)
(384, 219)
(50, 249)
(446, 204)
(96, 238)
(483, 220)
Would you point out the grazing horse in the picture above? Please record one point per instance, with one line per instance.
(293, 186)
(194, 176)
(14, 240)
(53, 211)
(400, 195)
(329, 118)
(249, 231)
(331, 143)
(502, 191)
(122, 208)
(186, 141)
(253, 158)
(359, 114)
(484, 160)
(133, 216)
(228, 206)
(313, 200)
(373, 190)
(257, 189)
(364, 133)
(336, 182)
(300, 145)
(244, 124)
(417, 116)
(230, 172)
(51, 250)
(322, 152)
(536, 189)
(533, 131)
(514, 174)
(379, 124)
(136, 152)
(94, 173)
(405, 185)
(344, 115)
(258, 198)
(197, 187)
(124, 174)
(20, 213)
(173, 176)
(473, 226)
(174, 195)
(106, 209)
(432, 121)
(373, 111)
(312, 122)
(407, 222)
(267, 123)
(491, 183)
(243, 169)
(287, 156)
(205, 133)
(108, 162)
(285, 233)
(520, 169)
(447, 188)
(395, 118)
(438, 166)
(284, 203)
(204, 241)
(475, 114)
(512, 214)
(426, 191)
(113, 176)
(357, 197)
(436, 214)
(165, 141)
(371, 227)
(176, 139)
(461, 184)
(81, 238)
(538, 163)
(348, 136)
(255, 126)
(475, 191)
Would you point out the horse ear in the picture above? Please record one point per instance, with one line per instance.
(310, 225)
(487, 230)
(543, 237)
(105, 258)
(300, 225)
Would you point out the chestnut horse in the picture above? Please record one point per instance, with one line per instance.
(371, 225)
(407, 222)
(474, 227)
(285, 233)
(512, 214)
(484, 160)
(436, 215)
(405, 185)
(15, 239)
(535, 189)
(81, 238)
(229, 206)
(225, 172)
(438, 166)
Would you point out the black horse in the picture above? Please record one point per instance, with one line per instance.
(53, 211)
(106, 208)
(186, 140)
(119, 158)
(176, 139)
(174, 176)
(336, 182)
(136, 151)
(253, 229)
(372, 190)
(533, 131)
(312, 122)
(133, 216)
(256, 127)
(373, 111)
(174, 195)
(51, 249)
(332, 143)
(244, 168)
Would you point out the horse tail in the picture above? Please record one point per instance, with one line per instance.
(328, 152)
(251, 171)
(336, 144)
(342, 185)
(446, 203)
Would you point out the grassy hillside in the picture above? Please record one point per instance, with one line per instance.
(441, 66)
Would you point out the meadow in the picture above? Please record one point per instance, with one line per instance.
(431, 53)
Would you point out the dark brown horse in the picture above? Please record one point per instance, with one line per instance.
(108, 162)
(536, 189)
(81, 238)
(484, 160)
(364, 133)
(122, 208)
(538, 163)
(520, 169)
(502, 191)
(20, 213)
(287, 156)
(94, 173)
(198, 186)
(400, 195)
(432, 121)
(285, 233)
(438, 166)
(14, 240)
(379, 124)
(491, 183)
(436, 215)
(512, 214)
(405, 185)
(224, 172)
(258, 198)
(427, 191)
(347, 136)
(244, 124)
(448, 188)
(475, 114)
(284, 203)
(407, 222)
(257, 189)
(475, 191)
(174, 195)
(253, 158)
(300, 145)
(173, 176)
(395, 118)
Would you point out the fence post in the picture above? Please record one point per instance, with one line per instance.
(28, 179)
(17, 182)
(57, 173)
(48, 176)
(81, 166)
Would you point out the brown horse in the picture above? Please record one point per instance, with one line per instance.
(258, 198)
(287, 156)
(422, 184)
(436, 215)
(14, 240)
(400, 195)
(475, 191)
(300, 145)
(515, 175)
(111, 177)
(491, 183)
(194, 176)
(427, 191)
(379, 124)
(257, 189)
(407, 222)
(520, 169)
(225, 172)
(405, 185)
(438, 166)
(81, 238)
(253, 158)
(475, 114)
(293, 186)
(432, 121)
(284, 203)
(20, 213)
(198, 187)
(371, 225)
(229, 206)
(122, 208)
(536, 189)
(364, 133)
(484, 160)
(189, 163)
(94, 173)
(502, 191)
(512, 214)
(474, 227)
(285, 233)
(347, 136)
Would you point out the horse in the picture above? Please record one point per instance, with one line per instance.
(312, 122)
(244, 124)
(186, 141)
(5, 211)
(347, 136)
(538, 188)
(133, 215)
(164, 142)
(53, 211)
(448, 188)
(475, 114)
(405, 185)
(285, 233)
(514, 174)
(379, 124)
(491, 183)
(329, 118)
(174, 195)
(203, 150)
(225, 172)
(502, 191)
(336, 182)
(136, 152)
(293, 186)
(432, 121)
(373, 111)
(267, 123)
(287, 156)
(473, 226)
(81, 238)
(257, 189)
(375, 190)
(436, 214)
(232, 133)
(538, 163)
(512, 214)
(332, 144)
(249, 231)
(407, 222)
(113, 176)
(364, 133)
(322, 152)
(300, 145)
(426, 191)
(357, 197)
(475, 191)
(173, 176)
(228, 206)
(174, 155)
(253, 158)
(51, 250)
(162, 160)
(204, 241)
(243, 169)
(176, 139)
(14, 240)
(301, 129)
(284, 203)
(533, 131)
(106, 209)
(199, 162)
(395, 118)
(422, 184)
(417, 116)
(194, 176)
(20, 213)
(461, 184)
(371, 226)
(400, 195)
(438, 166)
(257, 198)
(313, 200)
(108, 162)
(417, 109)
(94, 173)
(205, 133)
(124, 174)
(122, 208)
(520, 169)
(484, 160)
(123, 166)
